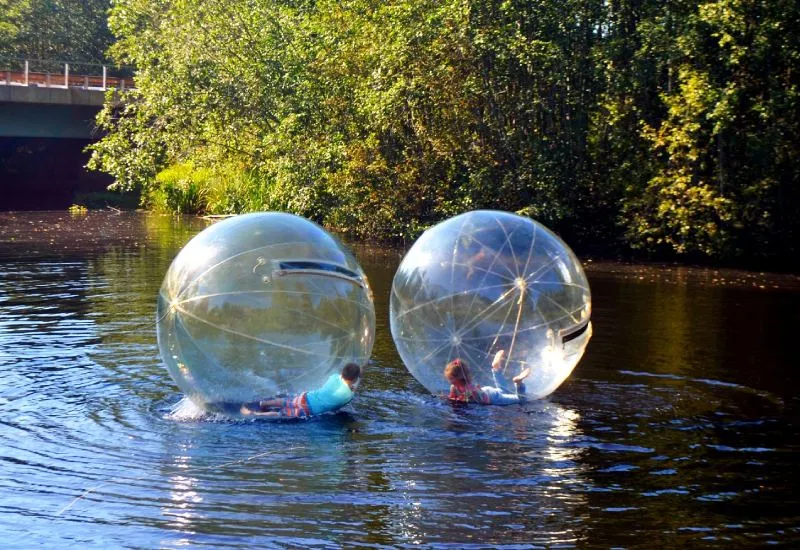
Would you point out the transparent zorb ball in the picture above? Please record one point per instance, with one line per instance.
(487, 281)
(261, 305)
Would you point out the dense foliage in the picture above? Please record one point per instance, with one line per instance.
(667, 127)
(48, 33)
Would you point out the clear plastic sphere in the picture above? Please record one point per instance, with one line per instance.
(487, 281)
(261, 305)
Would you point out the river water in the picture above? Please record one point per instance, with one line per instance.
(679, 426)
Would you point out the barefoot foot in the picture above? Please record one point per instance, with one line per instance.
(522, 375)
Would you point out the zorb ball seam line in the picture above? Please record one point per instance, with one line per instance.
(485, 281)
(262, 304)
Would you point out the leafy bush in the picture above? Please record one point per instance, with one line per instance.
(662, 127)
(181, 189)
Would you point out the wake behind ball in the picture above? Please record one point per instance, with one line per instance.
(261, 305)
(487, 281)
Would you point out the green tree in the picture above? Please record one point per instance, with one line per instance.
(724, 181)
(665, 127)
(54, 31)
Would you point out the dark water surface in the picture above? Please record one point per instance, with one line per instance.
(678, 428)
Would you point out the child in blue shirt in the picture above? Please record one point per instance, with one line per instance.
(333, 395)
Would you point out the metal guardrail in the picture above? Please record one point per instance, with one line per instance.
(65, 80)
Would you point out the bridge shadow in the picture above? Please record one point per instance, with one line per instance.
(45, 173)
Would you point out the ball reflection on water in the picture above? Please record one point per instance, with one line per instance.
(260, 305)
(486, 281)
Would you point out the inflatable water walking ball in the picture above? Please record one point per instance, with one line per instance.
(261, 305)
(487, 281)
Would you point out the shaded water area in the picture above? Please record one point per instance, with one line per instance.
(47, 173)
(679, 426)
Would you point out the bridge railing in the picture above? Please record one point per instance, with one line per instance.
(20, 74)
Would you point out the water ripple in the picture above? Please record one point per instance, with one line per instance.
(669, 431)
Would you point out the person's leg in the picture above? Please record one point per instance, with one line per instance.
(501, 382)
(224, 407)
(255, 412)
(519, 380)
(271, 404)
(289, 407)
(263, 406)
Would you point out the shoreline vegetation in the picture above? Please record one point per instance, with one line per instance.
(60, 233)
(636, 130)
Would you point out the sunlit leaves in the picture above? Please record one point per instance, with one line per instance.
(662, 126)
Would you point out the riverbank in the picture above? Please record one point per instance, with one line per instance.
(58, 232)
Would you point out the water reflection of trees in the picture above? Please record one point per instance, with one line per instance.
(128, 278)
(315, 310)
(295, 331)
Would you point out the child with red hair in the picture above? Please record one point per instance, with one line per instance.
(463, 390)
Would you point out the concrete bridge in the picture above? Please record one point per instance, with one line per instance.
(46, 105)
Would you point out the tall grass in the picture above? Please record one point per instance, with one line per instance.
(188, 189)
